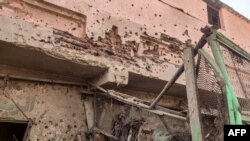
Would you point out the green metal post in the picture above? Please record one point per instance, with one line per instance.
(232, 102)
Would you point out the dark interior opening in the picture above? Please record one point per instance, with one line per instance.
(213, 16)
(12, 130)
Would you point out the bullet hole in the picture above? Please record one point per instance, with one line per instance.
(73, 28)
(132, 5)
(130, 32)
(175, 24)
(74, 114)
(139, 15)
(103, 19)
(69, 127)
(46, 127)
(136, 33)
(164, 30)
(156, 33)
(160, 24)
(97, 21)
(79, 25)
(75, 126)
(155, 15)
(154, 26)
(160, 15)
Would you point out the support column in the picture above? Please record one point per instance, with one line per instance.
(192, 96)
(232, 101)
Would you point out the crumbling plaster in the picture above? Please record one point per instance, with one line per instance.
(122, 36)
(31, 36)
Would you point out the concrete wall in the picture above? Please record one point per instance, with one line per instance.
(57, 110)
(177, 19)
(149, 35)
(236, 28)
(145, 37)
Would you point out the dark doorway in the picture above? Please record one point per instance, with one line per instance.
(12, 130)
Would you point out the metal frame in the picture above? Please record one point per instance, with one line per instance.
(215, 39)
(232, 102)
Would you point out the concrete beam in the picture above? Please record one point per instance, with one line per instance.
(112, 76)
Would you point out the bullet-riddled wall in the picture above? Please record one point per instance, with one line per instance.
(57, 111)
(143, 37)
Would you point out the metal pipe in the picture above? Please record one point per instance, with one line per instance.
(200, 44)
(198, 65)
(15, 77)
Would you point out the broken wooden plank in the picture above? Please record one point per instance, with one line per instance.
(192, 95)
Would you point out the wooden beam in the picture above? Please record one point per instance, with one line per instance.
(192, 95)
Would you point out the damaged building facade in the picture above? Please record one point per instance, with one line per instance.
(86, 70)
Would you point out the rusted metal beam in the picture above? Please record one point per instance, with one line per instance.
(199, 45)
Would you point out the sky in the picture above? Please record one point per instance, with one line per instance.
(242, 6)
